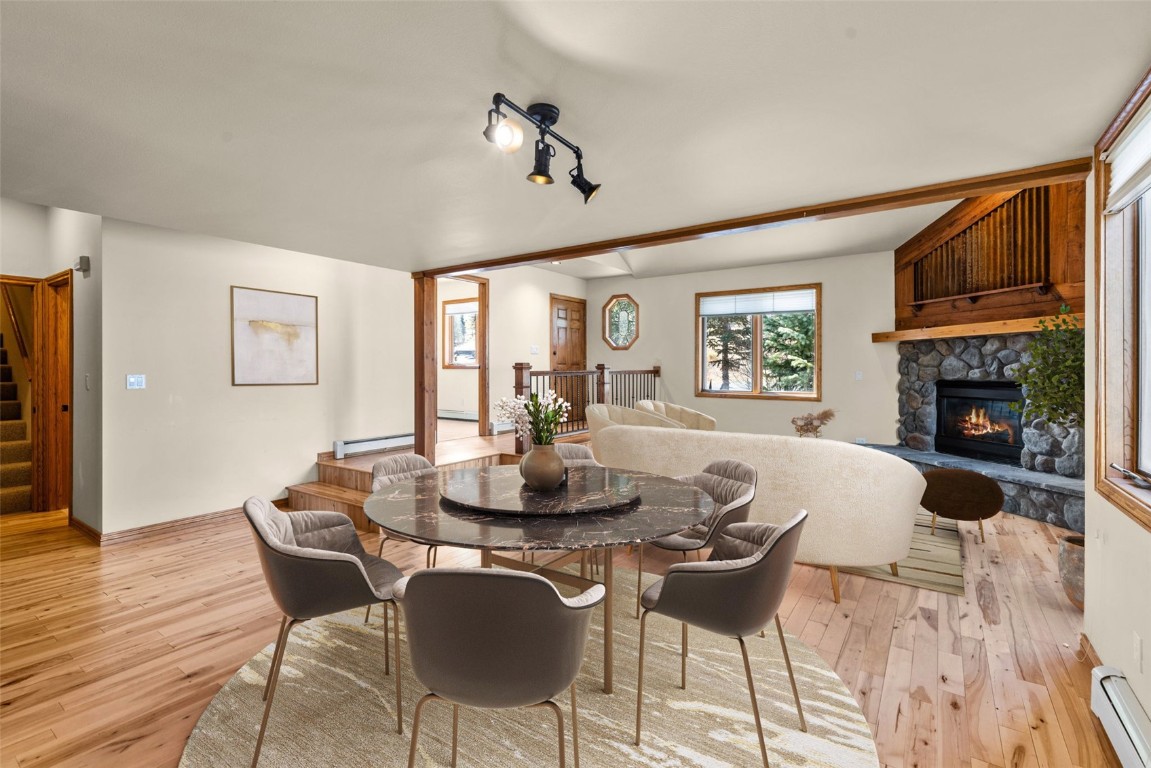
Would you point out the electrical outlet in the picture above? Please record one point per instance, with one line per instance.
(1137, 650)
(859, 375)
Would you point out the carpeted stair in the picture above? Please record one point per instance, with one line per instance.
(15, 447)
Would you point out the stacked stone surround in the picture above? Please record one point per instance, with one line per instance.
(1048, 449)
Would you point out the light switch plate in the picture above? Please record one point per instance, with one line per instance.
(137, 381)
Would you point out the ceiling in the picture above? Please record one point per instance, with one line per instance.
(353, 130)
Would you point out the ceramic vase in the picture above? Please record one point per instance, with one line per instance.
(1071, 568)
(542, 468)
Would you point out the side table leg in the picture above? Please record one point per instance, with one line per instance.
(485, 558)
(608, 620)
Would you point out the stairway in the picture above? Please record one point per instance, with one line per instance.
(15, 447)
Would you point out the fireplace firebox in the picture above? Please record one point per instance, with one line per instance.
(975, 419)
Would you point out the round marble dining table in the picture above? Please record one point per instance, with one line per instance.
(490, 508)
(597, 508)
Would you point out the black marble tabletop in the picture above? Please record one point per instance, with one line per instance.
(416, 509)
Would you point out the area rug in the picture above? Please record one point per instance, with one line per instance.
(934, 563)
(335, 707)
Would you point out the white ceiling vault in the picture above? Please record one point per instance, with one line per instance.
(353, 130)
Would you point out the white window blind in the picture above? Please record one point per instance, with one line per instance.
(802, 300)
(462, 308)
(1130, 161)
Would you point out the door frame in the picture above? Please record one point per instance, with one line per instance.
(482, 325)
(51, 364)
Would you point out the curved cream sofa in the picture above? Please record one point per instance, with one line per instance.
(600, 416)
(689, 418)
(861, 503)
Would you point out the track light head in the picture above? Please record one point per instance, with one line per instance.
(582, 185)
(541, 173)
(506, 134)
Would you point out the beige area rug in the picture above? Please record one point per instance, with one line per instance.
(335, 707)
(934, 563)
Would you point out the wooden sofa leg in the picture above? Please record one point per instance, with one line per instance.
(834, 583)
(895, 570)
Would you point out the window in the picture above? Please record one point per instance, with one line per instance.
(459, 325)
(763, 342)
(620, 321)
(1123, 311)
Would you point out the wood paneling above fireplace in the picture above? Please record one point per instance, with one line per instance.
(1001, 257)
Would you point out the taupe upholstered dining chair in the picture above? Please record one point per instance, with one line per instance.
(576, 455)
(315, 565)
(731, 484)
(736, 593)
(495, 640)
(395, 469)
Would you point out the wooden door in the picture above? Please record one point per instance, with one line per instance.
(569, 352)
(52, 394)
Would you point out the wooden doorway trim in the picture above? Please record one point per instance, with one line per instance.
(426, 342)
(482, 360)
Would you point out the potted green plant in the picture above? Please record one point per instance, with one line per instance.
(1054, 383)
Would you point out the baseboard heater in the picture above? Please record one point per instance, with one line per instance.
(343, 448)
(1123, 717)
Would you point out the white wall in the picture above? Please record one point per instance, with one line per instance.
(857, 300)
(192, 443)
(457, 389)
(520, 318)
(1118, 550)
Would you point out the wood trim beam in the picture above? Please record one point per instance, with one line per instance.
(425, 367)
(1038, 176)
(1021, 325)
(1133, 104)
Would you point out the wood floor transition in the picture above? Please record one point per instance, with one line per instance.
(109, 655)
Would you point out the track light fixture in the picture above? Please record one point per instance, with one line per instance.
(508, 137)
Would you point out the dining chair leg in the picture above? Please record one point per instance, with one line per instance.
(387, 651)
(683, 658)
(559, 722)
(277, 652)
(834, 583)
(639, 678)
(455, 732)
(934, 515)
(416, 726)
(399, 672)
(754, 702)
(791, 675)
(583, 565)
(895, 570)
(575, 726)
(638, 579)
(367, 614)
(273, 678)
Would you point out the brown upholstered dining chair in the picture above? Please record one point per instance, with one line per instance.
(731, 484)
(495, 640)
(315, 565)
(395, 469)
(961, 494)
(736, 593)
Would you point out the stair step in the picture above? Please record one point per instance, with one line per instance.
(16, 451)
(13, 430)
(16, 499)
(15, 473)
(8, 391)
(5, 372)
(10, 410)
(331, 498)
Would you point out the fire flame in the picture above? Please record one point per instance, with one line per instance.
(976, 423)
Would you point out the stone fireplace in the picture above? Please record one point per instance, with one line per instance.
(1039, 465)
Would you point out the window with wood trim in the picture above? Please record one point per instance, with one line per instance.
(459, 324)
(1123, 311)
(759, 343)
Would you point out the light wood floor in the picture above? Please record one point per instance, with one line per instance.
(108, 656)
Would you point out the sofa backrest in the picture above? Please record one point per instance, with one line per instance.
(861, 502)
(600, 416)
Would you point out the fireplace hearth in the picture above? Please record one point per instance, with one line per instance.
(975, 420)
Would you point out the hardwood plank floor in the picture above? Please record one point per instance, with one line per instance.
(109, 655)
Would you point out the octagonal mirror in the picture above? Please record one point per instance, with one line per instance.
(620, 321)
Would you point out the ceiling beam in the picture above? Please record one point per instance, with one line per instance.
(1041, 175)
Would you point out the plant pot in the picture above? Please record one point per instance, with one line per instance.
(1071, 568)
(542, 468)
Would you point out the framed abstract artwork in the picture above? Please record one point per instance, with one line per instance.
(274, 338)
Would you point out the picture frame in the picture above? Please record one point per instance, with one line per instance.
(275, 338)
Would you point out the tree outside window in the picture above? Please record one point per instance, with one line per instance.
(760, 343)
